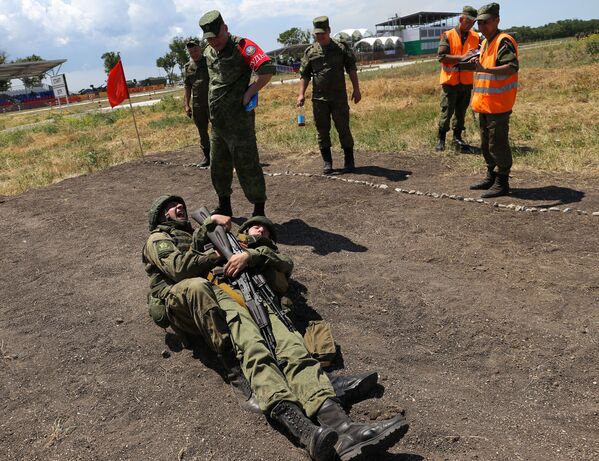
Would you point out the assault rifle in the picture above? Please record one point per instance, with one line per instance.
(258, 296)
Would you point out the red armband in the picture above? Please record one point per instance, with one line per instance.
(252, 54)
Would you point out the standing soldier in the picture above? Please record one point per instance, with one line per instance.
(196, 90)
(456, 45)
(325, 61)
(231, 61)
(495, 88)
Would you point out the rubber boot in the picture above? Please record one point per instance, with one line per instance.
(351, 389)
(357, 439)
(318, 441)
(440, 146)
(459, 144)
(485, 183)
(258, 209)
(348, 161)
(327, 158)
(224, 207)
(205, 162)
(500, 187)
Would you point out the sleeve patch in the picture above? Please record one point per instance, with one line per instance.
(252, 54)
(164, 248)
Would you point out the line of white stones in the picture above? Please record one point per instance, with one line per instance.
(435, 195)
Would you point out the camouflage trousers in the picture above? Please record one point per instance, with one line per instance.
(495, 145)
(454, 104)
(301, 381)
(233, 145)
(201, 117)
(338, 110)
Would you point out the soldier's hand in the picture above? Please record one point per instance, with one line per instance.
(237, 263)
(356, 96)
(222, 220)
(300, 100)
(188, 111)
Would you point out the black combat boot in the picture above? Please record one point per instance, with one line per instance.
(459, 144)
(224, 207)
(205, 162)
(318, 441)
(327, 158)
(485, 183)
(348, 161)
(234, 376)
(440, 141)
(500, 187)
(351, 389)
(356, 439)
(258, 209)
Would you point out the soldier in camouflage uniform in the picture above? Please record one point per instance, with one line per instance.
(325, 62)
(231, 61)
(195, 79)
(177, 266)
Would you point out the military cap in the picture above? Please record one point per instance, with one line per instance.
(469, 12)
(210, 23)
(255, 220)
(156, 210)
(321, 24)
(488, 11)
(193, 42)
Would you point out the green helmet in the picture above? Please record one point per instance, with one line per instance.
(260, 220)
(155, 211)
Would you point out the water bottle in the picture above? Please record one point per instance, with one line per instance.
(301, 116)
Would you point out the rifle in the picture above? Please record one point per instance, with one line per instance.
(258, 296)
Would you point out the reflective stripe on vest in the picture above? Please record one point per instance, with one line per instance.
(494, 94)
(450, 74)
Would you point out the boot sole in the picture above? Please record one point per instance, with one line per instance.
(381, 442)
(357, 393)
(326, 447)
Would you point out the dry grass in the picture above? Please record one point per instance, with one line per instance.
(554, 125)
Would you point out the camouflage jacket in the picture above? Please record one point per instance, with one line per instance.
(230, 71)
(326, 66)
(195, 77)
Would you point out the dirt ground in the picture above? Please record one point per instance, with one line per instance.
(482, 321)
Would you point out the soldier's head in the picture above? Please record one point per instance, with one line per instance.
(259, 226)
(322, 31)
(467, 18)
(488, 19)
(216, 32)
(194, 49)
(167, 208)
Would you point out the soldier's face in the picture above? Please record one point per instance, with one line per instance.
(175, 211)
(466, 23)
(195, 53)
(259, 230)
(219, 42)
(488, 27)
(323, 37)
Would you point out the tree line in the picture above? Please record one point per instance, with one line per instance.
(559, 29)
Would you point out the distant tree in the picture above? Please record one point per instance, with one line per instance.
(294, 36)
(168, 63)
(559, 29)
(110, 59)
(178, 47)
(4, 84)
(36, 80)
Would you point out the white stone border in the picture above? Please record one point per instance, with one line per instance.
(511, 206)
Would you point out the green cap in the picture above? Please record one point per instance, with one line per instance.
(210, 23)
(193, 42)
(321, 24)
(469, 12)
(155, 213)
(488, 11)
(253, 221)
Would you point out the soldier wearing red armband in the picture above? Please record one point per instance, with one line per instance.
(231, 61)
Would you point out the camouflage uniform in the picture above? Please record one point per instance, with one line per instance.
(326, 66)
(177, 271)
(195, 79)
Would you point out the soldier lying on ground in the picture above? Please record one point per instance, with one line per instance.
(298, 396)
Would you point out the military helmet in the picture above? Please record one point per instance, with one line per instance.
(255, 220)
(155, 211)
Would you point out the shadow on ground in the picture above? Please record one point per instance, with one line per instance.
(298, 232)
(382, 172)
(556, 195)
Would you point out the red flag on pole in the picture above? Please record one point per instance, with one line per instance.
(116, 86)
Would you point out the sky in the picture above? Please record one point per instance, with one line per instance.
(82, 30)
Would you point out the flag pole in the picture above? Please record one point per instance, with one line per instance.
(136, 130)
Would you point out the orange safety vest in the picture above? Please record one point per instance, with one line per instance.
(450, 74)
(494, 94)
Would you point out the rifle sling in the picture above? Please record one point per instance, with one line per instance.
(238, 298)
